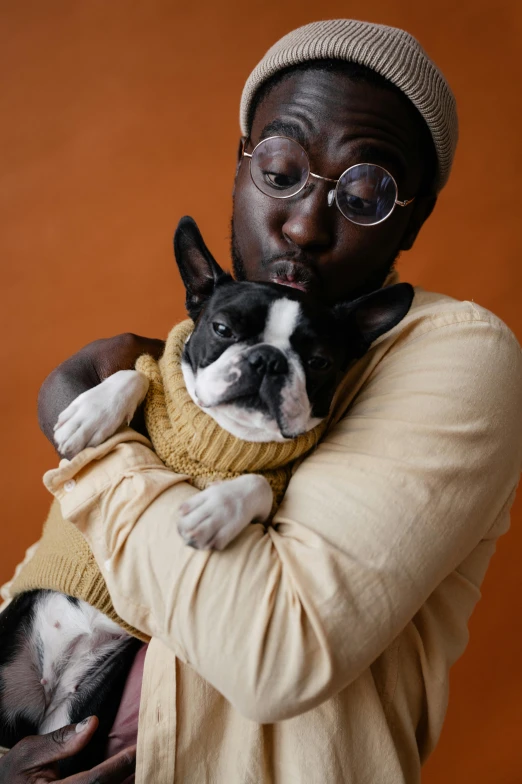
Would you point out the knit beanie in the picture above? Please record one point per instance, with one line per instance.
(393, 53)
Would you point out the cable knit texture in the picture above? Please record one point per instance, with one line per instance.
(190, 442)
(393, 53)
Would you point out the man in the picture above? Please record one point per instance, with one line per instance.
(319, 650)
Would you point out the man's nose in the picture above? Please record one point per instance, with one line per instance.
(310, 223)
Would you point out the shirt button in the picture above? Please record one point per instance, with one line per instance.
(69, 485)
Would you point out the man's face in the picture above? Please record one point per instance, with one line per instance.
(339, 122)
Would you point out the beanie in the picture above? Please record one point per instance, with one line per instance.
(393, 53)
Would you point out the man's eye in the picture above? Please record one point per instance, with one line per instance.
(222, 330)
(359, 204)
(280, 181)
(318, 363)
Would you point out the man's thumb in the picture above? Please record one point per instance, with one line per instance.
(65, 742)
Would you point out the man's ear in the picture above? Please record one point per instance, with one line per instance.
(376, 313)
(199, 271)
(241, 147)
(423, 207)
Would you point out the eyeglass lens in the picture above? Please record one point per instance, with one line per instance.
(279, 167)
(365, 193)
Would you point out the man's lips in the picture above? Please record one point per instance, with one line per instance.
(292, 273)
(286, 281)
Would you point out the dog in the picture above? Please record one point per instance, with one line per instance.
(264, 361)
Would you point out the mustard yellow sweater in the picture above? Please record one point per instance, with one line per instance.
(189, 442)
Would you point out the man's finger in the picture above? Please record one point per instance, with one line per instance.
(113, 771)
(38, 751)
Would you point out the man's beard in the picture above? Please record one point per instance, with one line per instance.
(238, 266)
(372, 284)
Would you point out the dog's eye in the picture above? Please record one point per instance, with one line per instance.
(318, 363)
(222, 330)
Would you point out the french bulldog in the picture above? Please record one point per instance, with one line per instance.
(264, 360)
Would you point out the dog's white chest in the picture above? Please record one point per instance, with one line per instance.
(65, 642)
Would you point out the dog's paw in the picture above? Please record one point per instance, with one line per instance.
(214, 517)
(95, 415)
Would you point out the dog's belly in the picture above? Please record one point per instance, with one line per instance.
(60, 660)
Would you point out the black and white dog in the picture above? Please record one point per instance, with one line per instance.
(264, 361)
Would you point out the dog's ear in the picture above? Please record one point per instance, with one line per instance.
(376, 313)
(199, 271)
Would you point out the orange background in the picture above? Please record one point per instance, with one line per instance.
(117, 118)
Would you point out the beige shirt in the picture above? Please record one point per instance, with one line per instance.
(319, 651)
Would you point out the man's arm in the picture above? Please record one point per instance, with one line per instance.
(397, 495)
(87, 368)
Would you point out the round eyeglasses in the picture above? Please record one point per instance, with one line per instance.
(365, 193)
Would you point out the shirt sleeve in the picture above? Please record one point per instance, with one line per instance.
(397, 494)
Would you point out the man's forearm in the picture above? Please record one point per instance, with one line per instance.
(61, 387)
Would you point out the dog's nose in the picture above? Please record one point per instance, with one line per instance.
(268, 360)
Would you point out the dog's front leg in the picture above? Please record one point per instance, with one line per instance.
(96, 414)
(214, 517)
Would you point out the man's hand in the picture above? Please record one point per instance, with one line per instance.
(35, 759)
(87, 368)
